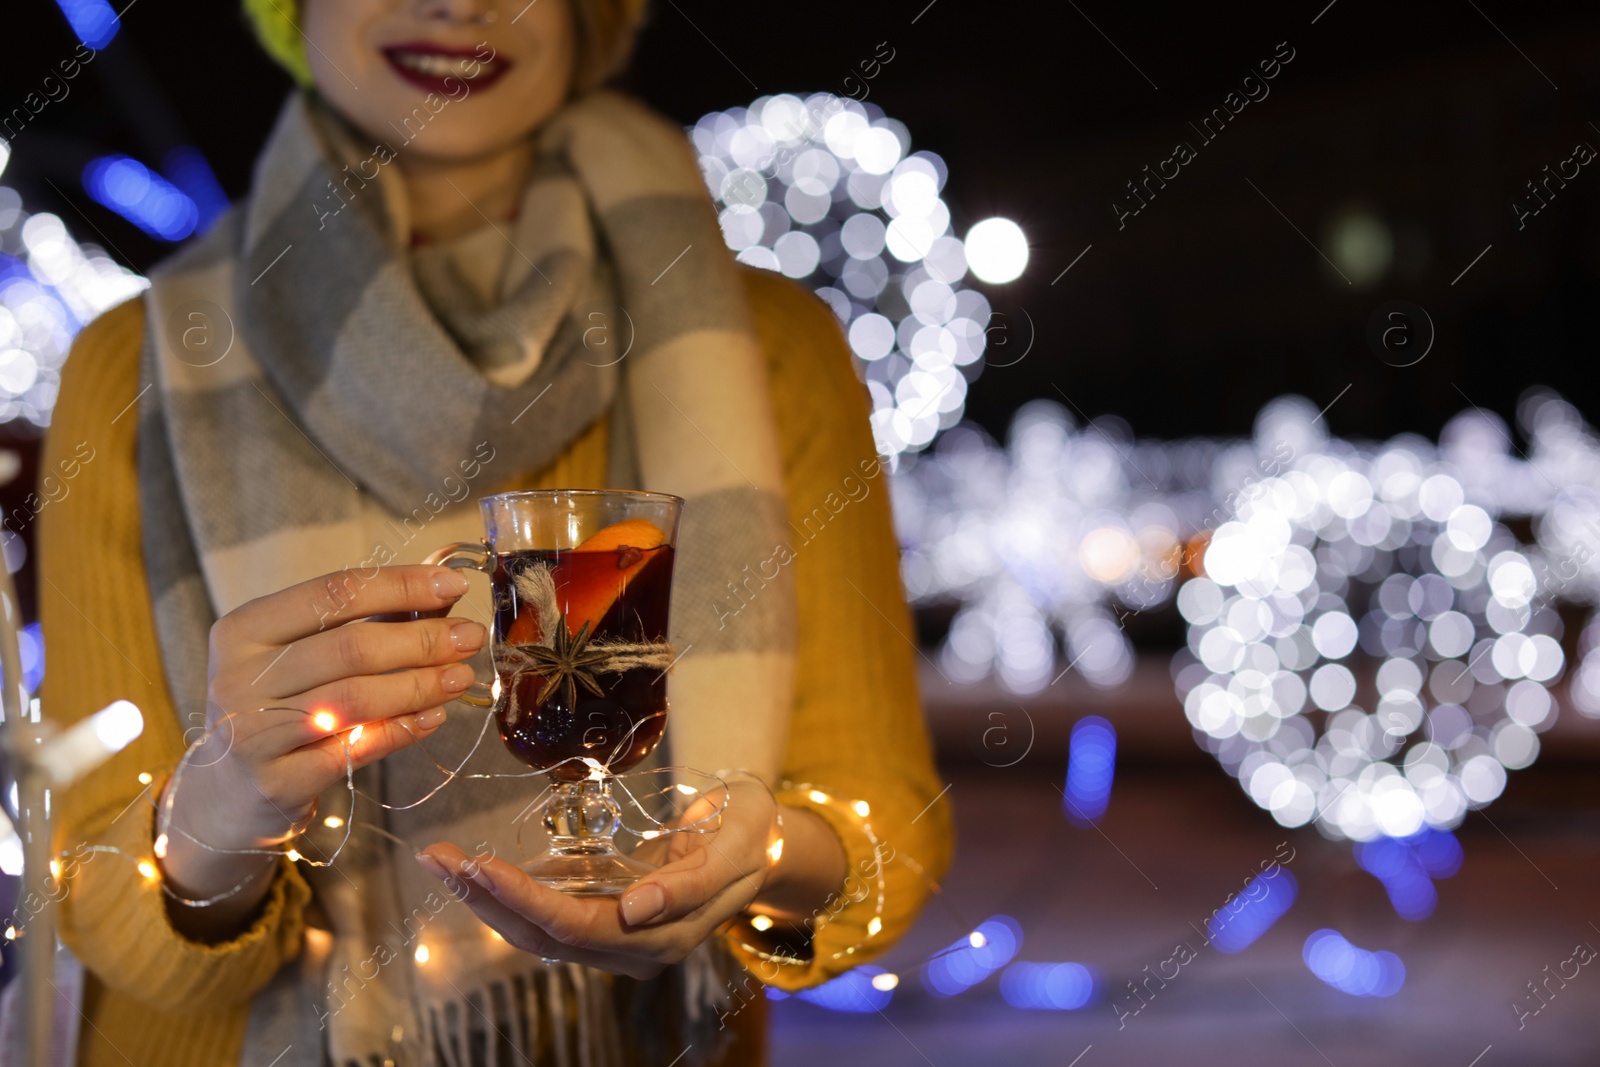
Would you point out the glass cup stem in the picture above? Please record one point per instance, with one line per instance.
(581, 815)
(581, 818)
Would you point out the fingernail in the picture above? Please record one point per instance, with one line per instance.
(431, 719)
(642, 903)
(449, 583)
(432, 866)
(456, 678)
(468, 636)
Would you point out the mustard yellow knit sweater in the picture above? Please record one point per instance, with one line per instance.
(857, 742)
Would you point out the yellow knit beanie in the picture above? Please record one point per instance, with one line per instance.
(605, 36)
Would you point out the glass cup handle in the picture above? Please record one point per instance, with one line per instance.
(464, 555)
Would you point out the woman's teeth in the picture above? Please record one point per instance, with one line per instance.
(437, 66)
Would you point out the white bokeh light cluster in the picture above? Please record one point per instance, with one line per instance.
(1565, 452)
(50, 287)
(826, 189)
(1046, 545)
(1368, 646)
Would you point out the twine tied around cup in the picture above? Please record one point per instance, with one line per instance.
(566, 660)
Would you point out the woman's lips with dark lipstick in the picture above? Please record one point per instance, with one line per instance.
(429, 66)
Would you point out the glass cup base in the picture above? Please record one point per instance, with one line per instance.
(592, 869)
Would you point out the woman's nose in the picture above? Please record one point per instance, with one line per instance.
(473, 11)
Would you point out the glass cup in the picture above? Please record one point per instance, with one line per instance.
(582, 588)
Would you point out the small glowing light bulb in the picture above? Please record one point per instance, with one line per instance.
(422, 954)
(355, 735)
(885, 982)
(650, 835)
(874, 926)
(294, 856)
(55, 868)
(11, 933)
(686, 789)
(161, 846)
(144, 778)
(977, 940)
(818, 796)
(761, 922)
(775, 850)
(862, 808)
(324, 720)
(147, 870)
(333, 822)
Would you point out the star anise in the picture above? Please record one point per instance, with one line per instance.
(567, 662)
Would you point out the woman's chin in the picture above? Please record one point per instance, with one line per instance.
(458, 147)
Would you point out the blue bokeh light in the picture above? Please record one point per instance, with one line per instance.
(141, 196)
(1350, 969)
(187, 169)
(1437, 850)
(1048, 986)
(30, 644)
(1406, 866)
(1091, 765)
(1262, 902)
(852, 991)
(94, 21)
(964, 964)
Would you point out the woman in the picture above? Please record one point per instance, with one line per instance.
(463, 268)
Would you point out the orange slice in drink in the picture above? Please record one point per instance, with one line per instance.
(630, 533)
(588, 601)
(631, 540)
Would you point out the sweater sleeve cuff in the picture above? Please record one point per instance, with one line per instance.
(115, 919)
(856, 924)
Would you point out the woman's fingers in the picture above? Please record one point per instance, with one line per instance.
(586, 930)
(362, 648)
(378, 739)
(324, 603)
(349, 702)
(687, 885)
(464, 878)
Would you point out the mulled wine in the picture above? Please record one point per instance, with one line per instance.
(578, 634)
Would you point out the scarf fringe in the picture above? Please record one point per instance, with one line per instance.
(561, 1016)
(567, 1015)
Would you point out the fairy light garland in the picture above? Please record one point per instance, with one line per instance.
(149, 868)
(852, 810)
(738, 930)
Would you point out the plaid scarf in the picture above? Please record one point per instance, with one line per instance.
(305, 386)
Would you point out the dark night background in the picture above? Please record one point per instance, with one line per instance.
(1206, 304)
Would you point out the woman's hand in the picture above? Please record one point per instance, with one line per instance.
(707, 880)
(289, 674)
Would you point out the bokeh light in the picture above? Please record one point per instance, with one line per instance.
(854, 991)
(1368, 649)
(1406, 866)
(94, 22)
(827, 190)
(973, 959)
(141, 196)
(1263, 901)
(187, 169)
(1353, 970)
(997, 251)
(1091, 764)
(1048, 986)
(50, 287)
